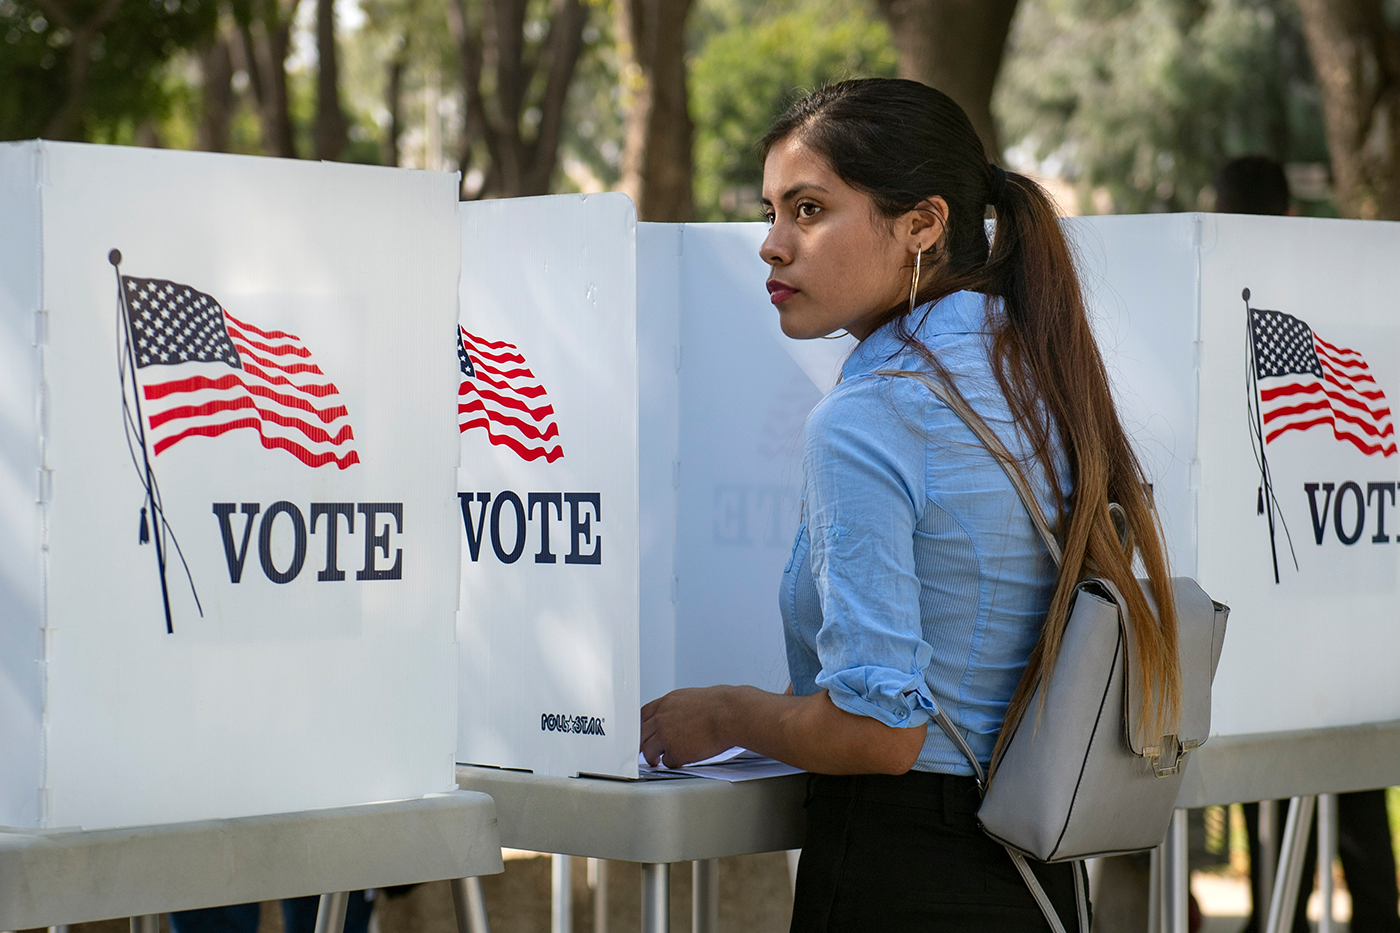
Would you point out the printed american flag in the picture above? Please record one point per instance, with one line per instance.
(228, 375)
(1305, 382)
(501, 396)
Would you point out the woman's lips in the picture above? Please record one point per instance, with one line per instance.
(778, 292)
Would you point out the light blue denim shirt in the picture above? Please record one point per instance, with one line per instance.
(916, 578)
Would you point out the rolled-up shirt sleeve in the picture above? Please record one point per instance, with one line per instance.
(865, 472)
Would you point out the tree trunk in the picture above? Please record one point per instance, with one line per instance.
(331, 129)
(67, 122)
(656, 157)
(216, 65)
(267, 40)
(393, 102)
(955, 46)
(1356, 56)
(496, 44)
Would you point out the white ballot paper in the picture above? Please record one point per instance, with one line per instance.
(736, 764)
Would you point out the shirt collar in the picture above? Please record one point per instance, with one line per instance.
(959, 313)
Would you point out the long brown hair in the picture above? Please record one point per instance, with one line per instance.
(901, 143)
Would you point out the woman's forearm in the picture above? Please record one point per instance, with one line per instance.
(809, 732)
(813, 733)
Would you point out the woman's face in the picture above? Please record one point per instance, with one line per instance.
(834, 262)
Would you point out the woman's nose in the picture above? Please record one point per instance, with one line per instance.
(774, 251)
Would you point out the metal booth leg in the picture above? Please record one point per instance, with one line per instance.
(1175, 883)
(561, 915)
(656, 898)
(469, 904)
(1326, 856)
(1290, 863)
(598, 880)
(150, 923)
(330, 913)
(704, 904)
(1155, 903)
(1268, 854)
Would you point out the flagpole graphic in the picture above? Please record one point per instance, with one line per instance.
(1268, 504)
(152, 501)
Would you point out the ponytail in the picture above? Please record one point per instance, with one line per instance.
(901, 143)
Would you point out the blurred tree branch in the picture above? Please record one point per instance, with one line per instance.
(955, 46)
(265, 27)
(65, 123)
(1356, 55)
(500, 68)
(657, 161)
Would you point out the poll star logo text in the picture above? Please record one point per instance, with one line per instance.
(380, 522)
(579, 725)
(508, 521)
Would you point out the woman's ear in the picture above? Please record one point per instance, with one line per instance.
(926, 224)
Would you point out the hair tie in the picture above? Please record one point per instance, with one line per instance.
(998, 185)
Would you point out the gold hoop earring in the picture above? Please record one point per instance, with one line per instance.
(914, 285)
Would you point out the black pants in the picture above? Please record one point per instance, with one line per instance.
(1363, 843)
(905, 853)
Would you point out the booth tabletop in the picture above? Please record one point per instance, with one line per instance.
(1276, 765)
(52, 877)
(676, 820)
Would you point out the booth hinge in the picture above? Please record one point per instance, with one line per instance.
(678, 357)
(45, 484)
(41, 328)
(675, 474)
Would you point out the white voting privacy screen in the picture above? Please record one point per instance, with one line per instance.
(284, 328)
(677, 402)
(1316, 645)
(548, 485)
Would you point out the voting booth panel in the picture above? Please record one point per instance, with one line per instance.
(1264, 422)
(229, 533)
(743, 392)
(548, 485)
(673, 397)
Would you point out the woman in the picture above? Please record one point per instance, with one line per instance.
(917, 580)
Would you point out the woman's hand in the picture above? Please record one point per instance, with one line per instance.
(685, 726)
(808, 732)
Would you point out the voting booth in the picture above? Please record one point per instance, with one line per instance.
(1254, 360)
(631, 426)
(228, 550)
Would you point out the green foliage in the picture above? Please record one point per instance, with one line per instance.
(753, 60)
(1141, 100)
(126, 84)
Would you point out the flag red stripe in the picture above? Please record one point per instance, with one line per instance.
(1336, 349)
(319, 391)
(1285, 411)
(493, 344)
(499, 357)
(1298, 426)
(195, 383)
(271, 443)
(1354, 403)
(313, 432)
(290, 368)
(529, 430)
(527, 453)
(1358, 371)
(537, 414)
(283, 349)
(503, 373)
(1292, 388)
(534, 391)
(269, 334)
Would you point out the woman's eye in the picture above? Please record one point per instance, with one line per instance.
(768, 218)
(807, 209)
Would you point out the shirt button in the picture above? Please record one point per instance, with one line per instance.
(904, 714)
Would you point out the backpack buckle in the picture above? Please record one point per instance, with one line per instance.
(1167, 758)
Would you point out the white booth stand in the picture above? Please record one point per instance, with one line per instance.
(1263, 428)
(227, 546)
